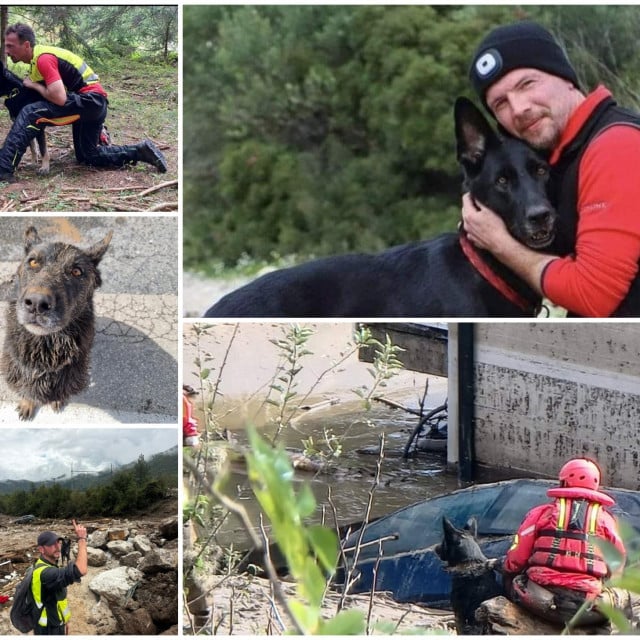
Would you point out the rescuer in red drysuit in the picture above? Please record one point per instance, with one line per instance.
(554, 549)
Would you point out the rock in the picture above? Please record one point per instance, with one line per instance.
(171, 631)
(117, 534)
(115, 584)
(100, 615)
(96, 557)
(119, 547)
(169, 528)
(157, 595)
(134, 623)
(159, 560)
(131, 559)
(142, 544)
(97, 539)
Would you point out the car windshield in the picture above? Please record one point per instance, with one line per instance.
(509, 510)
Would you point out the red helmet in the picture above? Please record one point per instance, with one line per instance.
(580, 472)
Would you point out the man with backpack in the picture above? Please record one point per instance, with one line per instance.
(49, 582)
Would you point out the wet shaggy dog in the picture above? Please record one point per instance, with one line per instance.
(17, 96)
(442, 277)
(472, 577)
(50, 323)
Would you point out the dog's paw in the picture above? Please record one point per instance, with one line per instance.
(42, 171)
(57, 406)
(26, 409)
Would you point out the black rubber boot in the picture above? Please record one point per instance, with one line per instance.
(149, 153)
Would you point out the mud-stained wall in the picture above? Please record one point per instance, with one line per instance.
(547, 392)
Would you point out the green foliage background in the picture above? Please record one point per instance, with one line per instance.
(102, 33)
(124, 492)
(311, 130)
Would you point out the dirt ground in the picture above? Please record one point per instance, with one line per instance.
(143, 103)
(242, 605)
(18, 546)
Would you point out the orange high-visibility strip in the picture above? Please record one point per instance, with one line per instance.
(58, 122)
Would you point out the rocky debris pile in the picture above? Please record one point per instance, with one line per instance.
(137, 586)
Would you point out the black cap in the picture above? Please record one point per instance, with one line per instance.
(47, 538)
(520, 45)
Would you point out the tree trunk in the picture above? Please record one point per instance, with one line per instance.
(500, 616)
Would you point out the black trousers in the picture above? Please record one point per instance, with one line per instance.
(50, 631)
(87, 111)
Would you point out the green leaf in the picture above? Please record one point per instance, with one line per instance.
(305, 615)
(617, 617)
(306, 502)
(324, 543)
(612, 556)
(347, 623)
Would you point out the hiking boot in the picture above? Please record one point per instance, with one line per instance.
(149, 153)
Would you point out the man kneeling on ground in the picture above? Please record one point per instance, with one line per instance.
(71, 94)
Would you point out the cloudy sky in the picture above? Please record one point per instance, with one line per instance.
(42, 454)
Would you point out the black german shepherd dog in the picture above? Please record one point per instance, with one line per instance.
(442, 277)
(473, 579)
(16, 96)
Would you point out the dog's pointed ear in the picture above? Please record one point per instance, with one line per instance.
(472, 526)
(447, 526)
(97, 251)
(474, 134)
(31, 238)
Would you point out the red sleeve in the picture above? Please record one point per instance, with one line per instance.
(518, 555)
(595, 281)
(47, 65)
(608, 529)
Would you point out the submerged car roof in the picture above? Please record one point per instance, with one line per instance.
(498, 508)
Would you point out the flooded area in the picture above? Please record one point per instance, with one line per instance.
(244, 361)
(350, 477)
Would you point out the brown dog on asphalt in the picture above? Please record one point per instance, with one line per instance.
(50, 322)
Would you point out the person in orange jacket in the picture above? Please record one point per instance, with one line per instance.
(554, 549)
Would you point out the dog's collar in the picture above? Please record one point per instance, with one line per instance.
(493, 278)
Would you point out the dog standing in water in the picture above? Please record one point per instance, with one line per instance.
(50, 322)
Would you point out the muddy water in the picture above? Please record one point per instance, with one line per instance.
(402, 482)
(247, 362)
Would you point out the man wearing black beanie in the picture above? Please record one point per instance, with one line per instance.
(525, 80)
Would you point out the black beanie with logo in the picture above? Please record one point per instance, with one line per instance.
(519, 45)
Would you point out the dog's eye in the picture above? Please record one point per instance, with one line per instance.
(541, 170)
(501, 181)
(76, 272)
(34, 263)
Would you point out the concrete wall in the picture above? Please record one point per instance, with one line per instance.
(546, 392)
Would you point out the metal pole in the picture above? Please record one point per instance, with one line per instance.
(466, 402)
